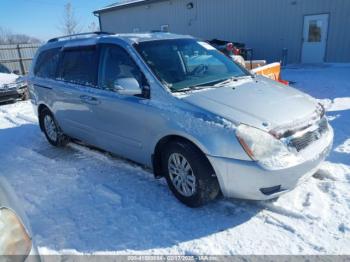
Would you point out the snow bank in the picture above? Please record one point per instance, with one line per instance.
(344, 148)
(340, 104)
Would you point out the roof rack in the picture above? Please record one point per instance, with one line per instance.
(77, 35)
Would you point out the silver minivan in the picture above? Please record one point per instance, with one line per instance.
(177, 105)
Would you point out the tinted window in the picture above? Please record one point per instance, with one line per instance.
(115, 64)
(79, 66)
(4, 69)
(47, 63)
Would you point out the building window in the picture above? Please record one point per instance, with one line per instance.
(315, 31)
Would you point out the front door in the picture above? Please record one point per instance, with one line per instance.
(122, 121)
(314, 38)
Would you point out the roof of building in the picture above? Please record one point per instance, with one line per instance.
(124, 4)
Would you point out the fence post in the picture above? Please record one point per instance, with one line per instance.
(284, 56)
(20, 60)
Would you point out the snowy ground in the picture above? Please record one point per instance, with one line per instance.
(82, 201)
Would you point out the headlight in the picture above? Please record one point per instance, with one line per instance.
(264, 148)
(14, 239)
(21, 84)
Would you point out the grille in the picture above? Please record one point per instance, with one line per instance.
(299, 143)
(7, 90)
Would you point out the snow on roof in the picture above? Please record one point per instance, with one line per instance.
(123, 4)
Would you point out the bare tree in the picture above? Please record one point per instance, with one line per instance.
(69, 24)
(7, 37)
(93, 27)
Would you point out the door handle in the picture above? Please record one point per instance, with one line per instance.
(89, 100)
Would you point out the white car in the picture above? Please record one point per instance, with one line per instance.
(15, 235)
(12, 86)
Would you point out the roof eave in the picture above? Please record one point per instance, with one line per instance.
(125, 5)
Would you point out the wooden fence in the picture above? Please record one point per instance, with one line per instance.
(18, 57)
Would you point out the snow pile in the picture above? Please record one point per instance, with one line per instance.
(344, 148)
(340, 104)
(81, 201)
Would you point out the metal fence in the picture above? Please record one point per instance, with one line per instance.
(18, 57)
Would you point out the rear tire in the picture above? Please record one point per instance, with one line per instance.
(189, 174)
(51, 129)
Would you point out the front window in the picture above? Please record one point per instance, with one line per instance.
(116, 64)
(187, 63)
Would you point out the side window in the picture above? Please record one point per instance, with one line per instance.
(47, 63)
(116, 63)
(79, 66)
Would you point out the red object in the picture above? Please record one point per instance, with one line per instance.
(230, 47)
(236, 51)
(283, 81)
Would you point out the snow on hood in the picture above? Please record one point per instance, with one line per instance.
(258, 102)
(7, 78)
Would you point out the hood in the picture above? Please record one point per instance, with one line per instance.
(7, 78)
(259, 102)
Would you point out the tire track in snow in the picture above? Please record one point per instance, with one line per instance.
(269, 219)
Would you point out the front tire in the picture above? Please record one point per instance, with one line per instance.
(51, 129)
(189, 174)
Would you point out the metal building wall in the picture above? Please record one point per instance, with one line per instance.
(267, 26)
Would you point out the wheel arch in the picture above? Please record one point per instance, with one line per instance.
(41, 107)
(156, 157)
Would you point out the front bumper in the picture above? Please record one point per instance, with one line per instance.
(248, 180)
(11, 94)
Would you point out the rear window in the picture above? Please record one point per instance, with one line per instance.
(4, 69)
(46, 64)
(79, 66)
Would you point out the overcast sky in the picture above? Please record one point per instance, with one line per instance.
(41, 18)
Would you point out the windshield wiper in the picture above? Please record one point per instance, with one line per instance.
(213, 84)
(225, 82)
(186, 89)
(231, 79)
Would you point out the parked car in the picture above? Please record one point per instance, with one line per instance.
(12, 86)
(16, 242)
(181, 107)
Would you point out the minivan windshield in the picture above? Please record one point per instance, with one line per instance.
(187, 63)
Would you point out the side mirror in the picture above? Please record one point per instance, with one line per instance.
(16, 72)
(127, 86)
